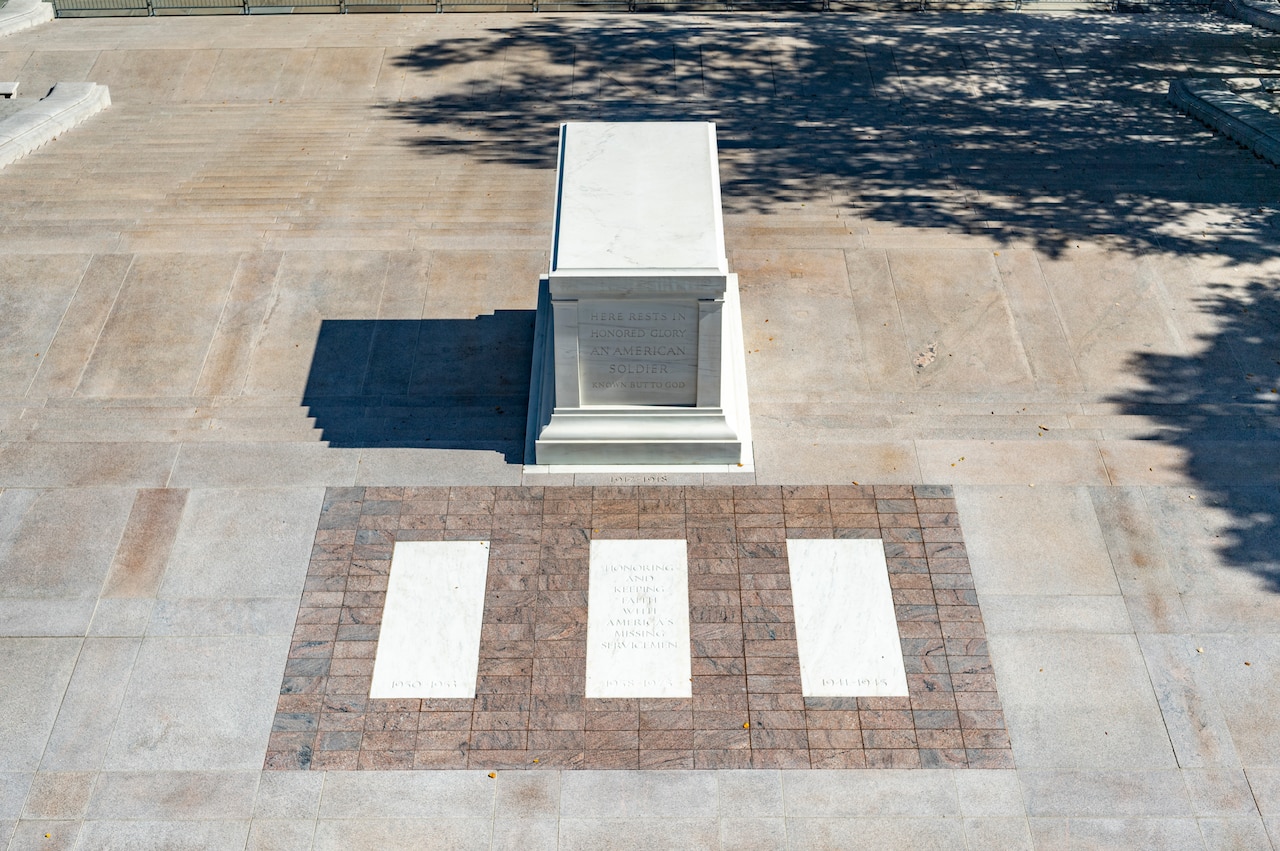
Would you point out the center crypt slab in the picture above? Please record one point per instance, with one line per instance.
(638, 352)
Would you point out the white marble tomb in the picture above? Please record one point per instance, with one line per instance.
(639, 356)
(846, 627)
(638, 620)
(429, 642)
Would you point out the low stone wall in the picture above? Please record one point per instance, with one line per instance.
(1213, 103)
(1260, 13)
(21, 14)
(66, 106)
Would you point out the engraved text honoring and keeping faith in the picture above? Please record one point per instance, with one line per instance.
(638, 620)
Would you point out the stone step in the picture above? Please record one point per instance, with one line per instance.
(159, 435)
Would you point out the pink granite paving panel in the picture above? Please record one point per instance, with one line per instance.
(746, 711)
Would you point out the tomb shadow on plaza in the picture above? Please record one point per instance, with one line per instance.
(430, 383)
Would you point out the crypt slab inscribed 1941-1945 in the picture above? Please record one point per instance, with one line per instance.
(639, 356)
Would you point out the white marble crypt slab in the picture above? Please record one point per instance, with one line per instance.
(429, 643)
(638, 620)
(846, 629)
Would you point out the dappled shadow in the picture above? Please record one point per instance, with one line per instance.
(1041, 129)
(431, 383)
(1222, 406)
(1047, 131)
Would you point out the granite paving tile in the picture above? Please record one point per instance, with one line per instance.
(1115, 833)
(284, 795)
(14, 788)
(1241, 671)
(1221, 834)
(33, 681)
(51, 834)
(638, 834)
(924, 834)
(258, 538)
(57, 544)
(280, 834)
(59, 795)
(997, 834)
(525, 834)
(140, 558)
(179, 795)
(197, 703)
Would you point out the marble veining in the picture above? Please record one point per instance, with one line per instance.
(429, 644)
(846, 628)
(643, 195)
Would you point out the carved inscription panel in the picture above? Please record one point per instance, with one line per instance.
(638, 352)
(638, 620)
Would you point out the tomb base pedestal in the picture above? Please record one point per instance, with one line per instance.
(640, 434)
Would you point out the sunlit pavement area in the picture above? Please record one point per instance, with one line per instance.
(298, 257)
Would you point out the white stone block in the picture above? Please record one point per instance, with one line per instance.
(846, 628)
(66, 106)
(638, 353)
(429, 643)
(638, 202)
(638, 620)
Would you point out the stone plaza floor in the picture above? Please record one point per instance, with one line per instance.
(274, 308)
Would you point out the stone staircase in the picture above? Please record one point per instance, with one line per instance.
(228, 177)
(428, 422)
(185, 420)
(351, 422)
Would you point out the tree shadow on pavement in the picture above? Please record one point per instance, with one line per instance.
(1221, 406)
(1019, 127)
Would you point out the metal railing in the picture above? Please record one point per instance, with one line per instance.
(88, 8)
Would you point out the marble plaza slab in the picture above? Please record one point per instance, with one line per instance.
(846, 630)
(638, 620)
(429, 645)
(717, 571)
